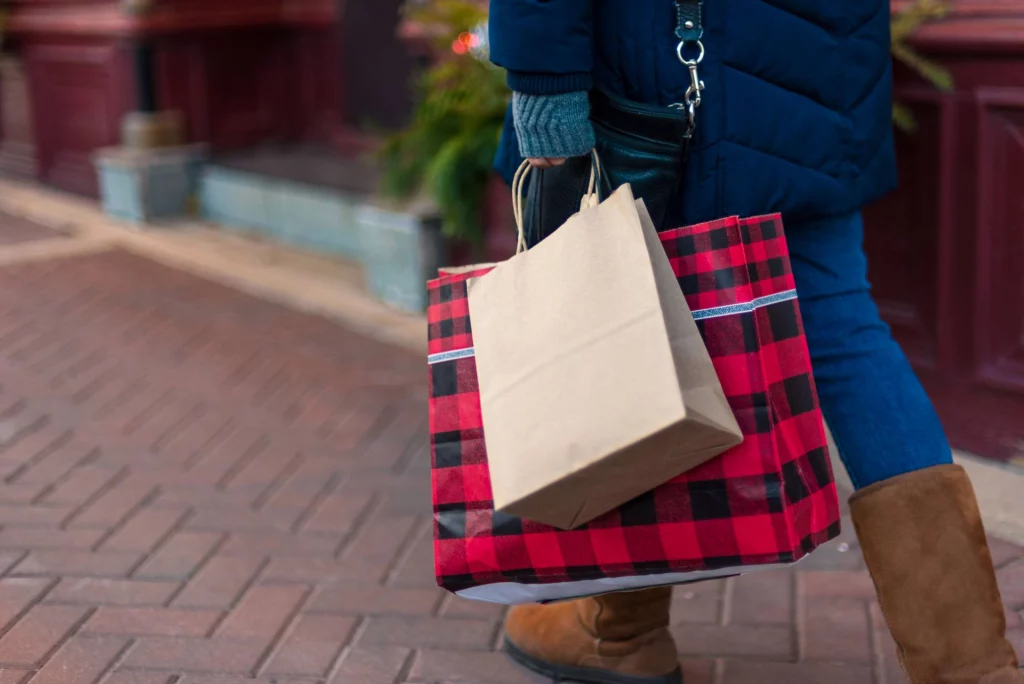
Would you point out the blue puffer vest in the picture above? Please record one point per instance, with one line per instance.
(797, 108)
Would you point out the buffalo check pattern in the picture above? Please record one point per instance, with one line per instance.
(770, 500)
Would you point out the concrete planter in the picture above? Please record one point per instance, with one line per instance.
(307, 216)
(402, 249)
(148, 185)
(236, 200)
(399, 246)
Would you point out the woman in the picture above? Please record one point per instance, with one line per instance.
(794, 118)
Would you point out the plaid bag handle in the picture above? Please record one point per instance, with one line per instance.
(590, 199)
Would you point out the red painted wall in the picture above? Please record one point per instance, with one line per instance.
(945, 249)
(241, 74)
(248, 85)
(77, 94)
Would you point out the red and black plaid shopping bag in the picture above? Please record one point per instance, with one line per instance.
(767, 502)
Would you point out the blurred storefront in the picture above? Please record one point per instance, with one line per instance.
(239, 73)
(946, 249)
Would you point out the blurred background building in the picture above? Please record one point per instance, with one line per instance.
(240, 74)
(269, 107)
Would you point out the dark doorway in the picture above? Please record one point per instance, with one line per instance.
(376, 65)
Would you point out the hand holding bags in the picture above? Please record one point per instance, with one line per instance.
(595, 385)
(765, 503)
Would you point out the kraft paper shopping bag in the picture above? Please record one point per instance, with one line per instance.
(595, 385)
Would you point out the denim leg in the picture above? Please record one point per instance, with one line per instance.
(881, 419)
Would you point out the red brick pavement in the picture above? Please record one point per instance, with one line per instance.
(204, 488)
(15, 229)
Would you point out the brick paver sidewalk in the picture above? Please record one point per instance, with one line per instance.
(203, 488)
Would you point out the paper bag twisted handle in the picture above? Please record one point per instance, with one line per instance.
(591, 199)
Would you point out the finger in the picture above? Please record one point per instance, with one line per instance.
(540, 163)
(557, 161)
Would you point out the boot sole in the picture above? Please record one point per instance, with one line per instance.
(584, 675)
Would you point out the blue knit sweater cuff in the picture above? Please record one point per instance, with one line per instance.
(548, 84)
(551, 126)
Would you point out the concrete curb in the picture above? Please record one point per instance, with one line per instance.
(258, 269)
(51, 248)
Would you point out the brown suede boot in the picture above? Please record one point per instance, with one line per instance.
(925, 547)
(611, 639)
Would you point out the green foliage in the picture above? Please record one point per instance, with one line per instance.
(448, 150)
(904, 23)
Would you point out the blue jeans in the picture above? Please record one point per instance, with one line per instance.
(881, 419)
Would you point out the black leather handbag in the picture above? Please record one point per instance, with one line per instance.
(642, 145)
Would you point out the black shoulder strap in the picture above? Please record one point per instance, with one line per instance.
(689, 20)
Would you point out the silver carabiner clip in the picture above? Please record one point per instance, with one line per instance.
(693, 92)
(692, 98)
(691, 115)
(696, 87)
